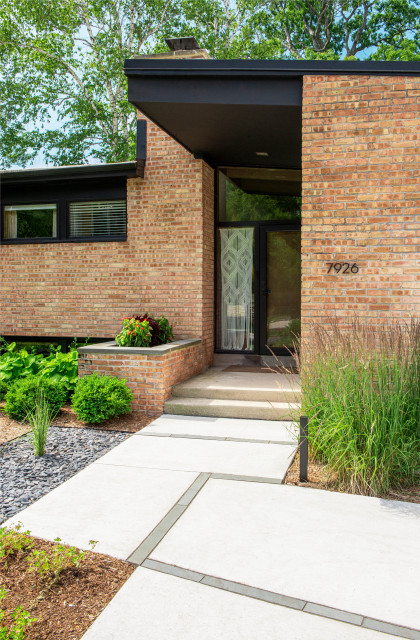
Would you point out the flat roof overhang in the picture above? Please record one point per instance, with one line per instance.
(231, 111)
(67, 173)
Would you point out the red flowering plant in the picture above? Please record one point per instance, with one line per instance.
(144, 331)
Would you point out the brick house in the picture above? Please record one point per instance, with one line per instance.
(265, 194)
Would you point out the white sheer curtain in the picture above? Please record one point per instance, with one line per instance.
(236, 304)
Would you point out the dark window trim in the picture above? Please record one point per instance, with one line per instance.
(63, 235)
(259, 349)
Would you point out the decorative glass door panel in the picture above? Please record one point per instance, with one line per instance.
(281, 288)
(236, 288)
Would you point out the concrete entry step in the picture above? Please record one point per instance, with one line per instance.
(227, 385)
(213, 407)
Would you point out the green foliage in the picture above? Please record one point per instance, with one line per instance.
(21, 621)
(50, 565)
(241, 206)
(165, 333)
(144, 331)
(22, 396)
(337, 29)
(40, 420)
(21, 363)
(16, 364)
(60, 367)
(99, 398)
(63, 68)
(13, 541)
(134, 334)
(361, 390)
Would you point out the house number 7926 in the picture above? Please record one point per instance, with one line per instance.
(342, 267)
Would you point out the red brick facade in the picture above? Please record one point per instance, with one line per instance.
(150, 377)
(361, 196)
(165, 267)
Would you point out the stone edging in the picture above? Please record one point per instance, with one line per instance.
(161, 350)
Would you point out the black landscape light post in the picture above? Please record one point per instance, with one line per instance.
(303, 449)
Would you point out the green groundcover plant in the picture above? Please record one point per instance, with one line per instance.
(20, 363)
(144, 331)
(97, 398)
(21, 621)
(22, 396)
(361, 392)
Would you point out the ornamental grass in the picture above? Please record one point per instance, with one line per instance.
(361, 392)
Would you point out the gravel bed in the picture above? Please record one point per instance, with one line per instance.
(25, 478)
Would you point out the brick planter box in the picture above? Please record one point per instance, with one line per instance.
(150, 372)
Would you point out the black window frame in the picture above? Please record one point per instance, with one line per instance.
(63, 221)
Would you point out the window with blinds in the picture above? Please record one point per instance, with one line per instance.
(97, 218)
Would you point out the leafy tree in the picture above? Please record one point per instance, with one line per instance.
(63, 90)
(333, 29)
(66, 57)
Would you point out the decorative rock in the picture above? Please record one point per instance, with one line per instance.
(24, 477)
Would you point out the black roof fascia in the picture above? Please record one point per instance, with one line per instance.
(296, 68)
(52, 174)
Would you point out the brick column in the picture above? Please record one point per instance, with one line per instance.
(360, 197)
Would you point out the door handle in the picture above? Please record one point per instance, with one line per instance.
(266, 292)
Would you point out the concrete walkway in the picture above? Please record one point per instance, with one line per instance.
(225, 551)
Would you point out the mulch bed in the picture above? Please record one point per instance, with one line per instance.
(132, 422)
(320, 478)
(10, 429)
(72, 604)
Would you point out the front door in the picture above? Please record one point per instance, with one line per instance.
(258, 287)
(280, 288)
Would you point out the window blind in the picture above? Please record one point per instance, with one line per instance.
(98, 218)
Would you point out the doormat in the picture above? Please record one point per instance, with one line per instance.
(258, 369)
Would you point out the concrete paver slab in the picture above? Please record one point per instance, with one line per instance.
(117, 506)
(158, 606)
(241, 458)
(353, 553)
(280, 431)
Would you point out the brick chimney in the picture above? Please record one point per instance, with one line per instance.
(179, 48)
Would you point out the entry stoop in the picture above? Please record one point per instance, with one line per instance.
(226, 394)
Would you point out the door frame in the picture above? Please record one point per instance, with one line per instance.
(260, 274)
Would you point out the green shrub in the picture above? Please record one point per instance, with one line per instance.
(21, 397)
(99, 398)
(361, 390)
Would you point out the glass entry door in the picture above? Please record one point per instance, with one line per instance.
(259, 288)
(280, 288)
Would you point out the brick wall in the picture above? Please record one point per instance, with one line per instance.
(150, 377)
(165, 267)
(361, 196)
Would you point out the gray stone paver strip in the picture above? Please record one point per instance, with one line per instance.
(230, 476)
(146, 547)
(224, 439)
(282, 600)
(391, 629)
(330, 612)
(254, 592)
(187, 574)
